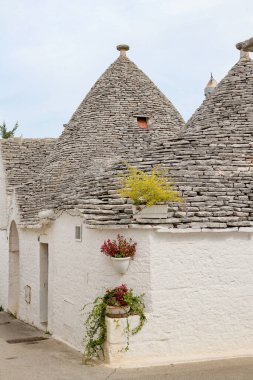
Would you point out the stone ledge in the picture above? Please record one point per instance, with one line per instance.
(161, 229)
(246, 229)
(106, 227)
(197, 230)
(178, 230)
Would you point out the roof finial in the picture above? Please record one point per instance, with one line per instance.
(245, 47)
(210, 85)
(123, 49)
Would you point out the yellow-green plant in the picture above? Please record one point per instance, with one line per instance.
(148, 188)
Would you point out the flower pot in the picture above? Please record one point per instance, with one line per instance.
(117, 310)
(121, 264)
(153, 212)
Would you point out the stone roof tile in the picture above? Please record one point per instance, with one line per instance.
(23, 159)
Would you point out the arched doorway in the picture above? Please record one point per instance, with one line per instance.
(13, 300)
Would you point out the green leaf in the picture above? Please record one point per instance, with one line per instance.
(5, 134)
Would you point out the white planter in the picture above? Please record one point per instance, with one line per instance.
(152, 212)
(117, 310)
(121, 264)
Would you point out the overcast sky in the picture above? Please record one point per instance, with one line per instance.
(52, 51)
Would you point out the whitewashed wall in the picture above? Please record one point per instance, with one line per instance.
(3, 196)
(78, 273)
(81, 273)
(201, 299)
(4, 263)
(29, 275)
(202, 296)
(199, 289)
(3, 237)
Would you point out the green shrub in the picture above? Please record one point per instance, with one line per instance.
(148, 188)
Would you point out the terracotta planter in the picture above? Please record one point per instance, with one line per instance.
(121, 264)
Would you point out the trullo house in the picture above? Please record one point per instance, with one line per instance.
(59, 201)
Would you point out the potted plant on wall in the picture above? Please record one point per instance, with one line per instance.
(120, 251)
(116, 303)
(146, 189)
(125, 303)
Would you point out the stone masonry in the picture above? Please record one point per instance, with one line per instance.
(210, 159)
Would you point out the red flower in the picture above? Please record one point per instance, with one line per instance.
(119, 248)
(115, 297)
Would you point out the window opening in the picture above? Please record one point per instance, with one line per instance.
(78, 233)
(142, 122)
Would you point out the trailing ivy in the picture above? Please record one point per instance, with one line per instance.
(136, 308)
(95, 325)
(95, 334)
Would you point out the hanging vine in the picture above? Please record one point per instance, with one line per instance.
(95, 324)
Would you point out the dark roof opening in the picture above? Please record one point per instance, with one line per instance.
(142, 122)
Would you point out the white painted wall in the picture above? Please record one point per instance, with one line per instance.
(12, 214)
(3, 237)
(199, 289)
(186, 278)
(4, 265)
(78, 272)
(3, 196)
(29, 275)
(14, 289)
(202, 299)
(81, 273)
(203, 294)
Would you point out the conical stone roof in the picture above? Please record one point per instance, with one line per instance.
(211, 164)
(229, 108)
(102, 131)
(104, 126)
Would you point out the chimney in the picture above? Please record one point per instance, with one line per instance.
(123, 49)
(245, 47)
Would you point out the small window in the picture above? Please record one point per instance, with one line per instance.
(142, 122)
(28, 294)
(78, 233)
